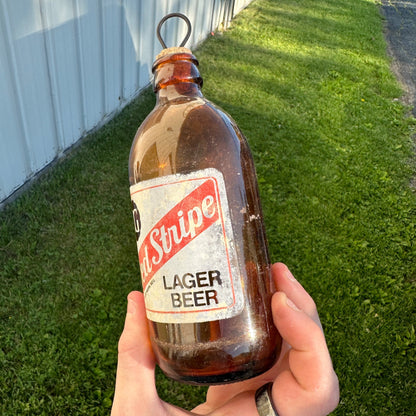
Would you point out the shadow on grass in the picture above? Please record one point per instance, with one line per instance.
(308, 83)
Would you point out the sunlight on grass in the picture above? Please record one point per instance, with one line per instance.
(309, 84)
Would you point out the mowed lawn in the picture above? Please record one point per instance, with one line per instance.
(309, 83)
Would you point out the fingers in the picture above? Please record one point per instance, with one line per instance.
(241, 404)
(309, 357)
(285, 282)
(135, 384)
(307, 383)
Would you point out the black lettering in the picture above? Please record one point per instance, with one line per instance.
(187, 299)
(136, 219)
(202, 279)
(176, 300)
(165, 285)
(177, 282)
(188, 283)
(199, 298)
(194, 299)
(211, 295)
(214, 275)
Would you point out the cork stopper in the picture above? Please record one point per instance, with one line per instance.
(170, 51)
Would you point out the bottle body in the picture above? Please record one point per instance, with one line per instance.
(206, 251)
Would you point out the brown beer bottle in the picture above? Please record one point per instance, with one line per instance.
(200, 235)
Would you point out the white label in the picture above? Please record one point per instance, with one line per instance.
(186, 248)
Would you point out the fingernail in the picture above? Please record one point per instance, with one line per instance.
(131, 306)
(292, 305)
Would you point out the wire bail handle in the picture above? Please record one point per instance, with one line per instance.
(168, 16)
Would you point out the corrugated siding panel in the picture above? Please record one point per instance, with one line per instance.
(27, 64)
(12, 170)
(66, 66)
(240, 5)
(59, 22)
(131, 35)
(91, 58)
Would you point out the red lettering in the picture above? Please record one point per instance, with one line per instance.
(182, 224)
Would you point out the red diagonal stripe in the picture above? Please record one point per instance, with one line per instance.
(181, 225)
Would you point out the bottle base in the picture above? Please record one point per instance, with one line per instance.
(244, 372)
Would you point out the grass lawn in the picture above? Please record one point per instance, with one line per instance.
(308, 82)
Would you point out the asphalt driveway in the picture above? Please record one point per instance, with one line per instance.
(401, 38)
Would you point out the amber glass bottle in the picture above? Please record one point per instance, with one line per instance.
(200, 235)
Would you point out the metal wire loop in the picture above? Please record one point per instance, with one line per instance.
(168, 16)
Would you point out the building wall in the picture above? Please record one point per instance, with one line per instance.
(67, 66)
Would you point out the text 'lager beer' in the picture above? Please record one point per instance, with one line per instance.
(200, 235)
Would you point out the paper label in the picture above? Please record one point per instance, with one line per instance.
(186, 248)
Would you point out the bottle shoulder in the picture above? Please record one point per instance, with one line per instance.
(185, 136)
(190, 112)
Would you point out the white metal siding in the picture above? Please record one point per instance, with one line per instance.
(67, 66)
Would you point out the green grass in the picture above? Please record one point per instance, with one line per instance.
(308, 82)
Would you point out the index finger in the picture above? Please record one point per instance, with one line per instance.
(286, 282)
(309, 377)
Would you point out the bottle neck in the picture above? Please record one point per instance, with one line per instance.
(176, 75)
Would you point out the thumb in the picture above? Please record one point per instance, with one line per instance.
(135, 382)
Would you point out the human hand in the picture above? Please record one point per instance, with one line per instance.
(304, 382)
